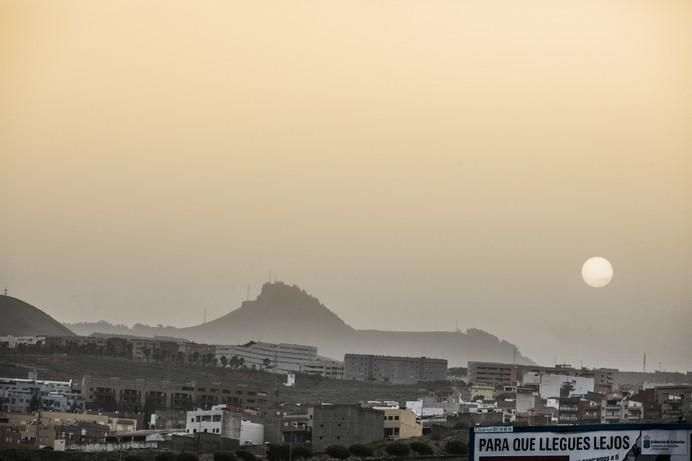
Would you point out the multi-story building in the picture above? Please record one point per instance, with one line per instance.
(22, 430)
(482, 392)
(13, 342)
(110, 394)
(279, 358)
(494, 374)
(507, 374)
(20, 395)
(398, 370)
(401, 424)
(616, 408)
(552, 385)
(568, 410)
(345, 425)
(219, 420)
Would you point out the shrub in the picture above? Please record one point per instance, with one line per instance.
(224, 456)
(398, 449)
(187, 457)
(246, 455)
(278, 452)
(360, 450)
(436, 436)
(166, 456)
(456, 447)
(302, 451)
(133, 458)
(338, 451)
(421, 448)
(461, 425)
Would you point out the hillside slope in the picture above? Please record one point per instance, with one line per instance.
(285, 313)
(23, 319)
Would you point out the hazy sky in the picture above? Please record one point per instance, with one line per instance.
(411, 163)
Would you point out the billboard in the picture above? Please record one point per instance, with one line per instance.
(607, 442)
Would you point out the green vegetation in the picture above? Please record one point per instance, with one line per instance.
(224, 456)
(456, 447)
(398, 449)
(246, 455)
(421, 448)
(361, 451)
(338, 452)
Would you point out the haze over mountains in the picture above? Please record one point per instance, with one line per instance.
(284, 313)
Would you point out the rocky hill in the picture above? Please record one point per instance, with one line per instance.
(23, 319)
(285, 313)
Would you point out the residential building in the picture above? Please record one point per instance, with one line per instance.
(345, 425)
(482, 392)
(19, 394)
(401, 424)
(219, 420)
(279, 358)
(397, 370)
(110, 394)
(553, 385)
(251, 433)
(617, 408)
(20, 430)
(13, 342)
(491, 373)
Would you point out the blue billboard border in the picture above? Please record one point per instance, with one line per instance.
(575, 428)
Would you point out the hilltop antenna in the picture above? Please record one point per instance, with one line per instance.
(4, 291)
(644, 367)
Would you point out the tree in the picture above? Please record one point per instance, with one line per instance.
(246, 455)
(223, 456)
(302, 451)
(338, 452)
(241, 362)
(276, 452)
(234, 362)
(456, 447)
(195, 357)
(184, 456)
(165, 456)
(266, 363)
(146, 352)
(360, 450)
(421, 448)
(398, 449)
(224, 361)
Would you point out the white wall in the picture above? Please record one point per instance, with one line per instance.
(251, 433)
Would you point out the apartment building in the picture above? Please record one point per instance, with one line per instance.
(397, 370)
(345, 425)
(219, 420)
(401, 423)
(279, 358)
(28, 430)
(19, 394)
(111, 394)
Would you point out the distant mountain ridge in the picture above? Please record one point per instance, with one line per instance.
(285, 313)
(22, 319)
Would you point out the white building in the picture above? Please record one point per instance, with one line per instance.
(279, 358)
(219, 420)
(551, 385)
(14, 341)
(251, 433)
(17, 394)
